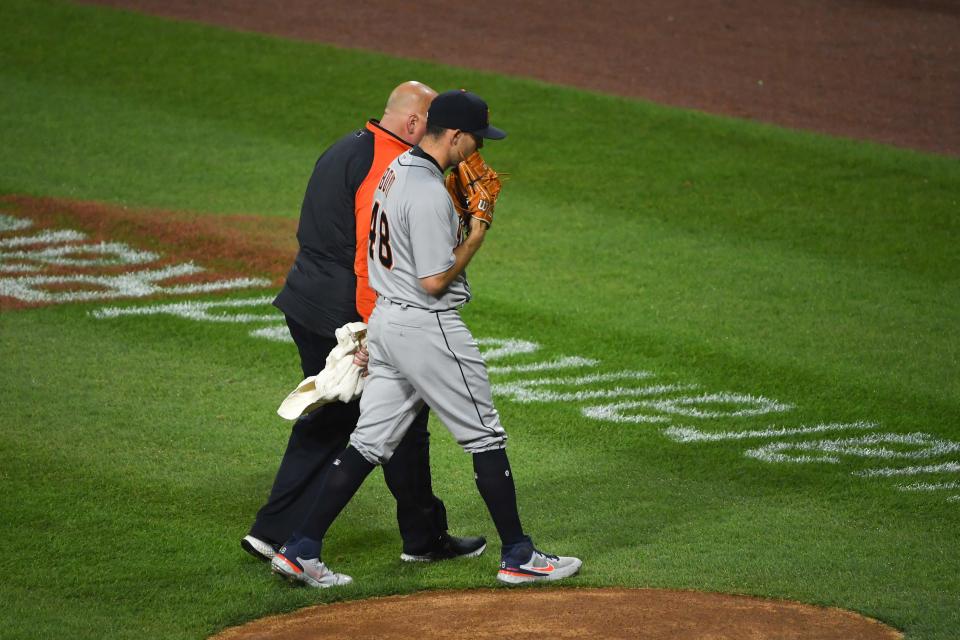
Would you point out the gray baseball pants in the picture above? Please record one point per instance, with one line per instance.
(416, 357)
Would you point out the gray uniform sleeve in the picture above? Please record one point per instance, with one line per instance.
(433, 235)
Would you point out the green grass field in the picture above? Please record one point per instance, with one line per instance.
(820, 273)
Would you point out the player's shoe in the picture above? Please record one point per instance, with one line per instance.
(299, 561)
(259, 549)
(447, 548)
(521, 563)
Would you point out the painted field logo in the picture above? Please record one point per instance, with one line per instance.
(54, 252)
(682, 411)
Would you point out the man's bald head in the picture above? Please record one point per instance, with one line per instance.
(405, 115)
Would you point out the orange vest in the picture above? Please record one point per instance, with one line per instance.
(386, 148)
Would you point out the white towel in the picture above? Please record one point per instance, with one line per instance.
(340, 379)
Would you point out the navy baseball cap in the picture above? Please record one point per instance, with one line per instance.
(461, 109)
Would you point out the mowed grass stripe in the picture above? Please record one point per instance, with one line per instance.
(740, 257)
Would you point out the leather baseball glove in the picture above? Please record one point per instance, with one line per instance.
(474, 187)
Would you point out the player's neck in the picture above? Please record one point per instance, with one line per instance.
(435, 148)
(395, 125)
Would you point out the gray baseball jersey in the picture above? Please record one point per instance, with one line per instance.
(420, 349)
(414, 229)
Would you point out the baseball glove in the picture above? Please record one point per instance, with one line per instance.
(474, 187)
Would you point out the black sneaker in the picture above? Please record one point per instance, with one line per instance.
(449, 547)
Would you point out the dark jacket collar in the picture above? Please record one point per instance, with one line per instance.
(420, 153)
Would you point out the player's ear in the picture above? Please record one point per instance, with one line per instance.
(456, 146)
(412, 121)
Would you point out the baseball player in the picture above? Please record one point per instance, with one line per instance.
(421, 351)
(327, 288)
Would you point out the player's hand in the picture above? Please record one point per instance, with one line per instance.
(362, 359)
(478, 227)
(474, 188)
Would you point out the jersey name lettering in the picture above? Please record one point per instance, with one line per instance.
(387, 181)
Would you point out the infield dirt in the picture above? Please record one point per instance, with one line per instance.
(601, 614)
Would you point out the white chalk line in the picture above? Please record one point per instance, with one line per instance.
(528, 396)
(122, 254)
(566, 362)
(927, 486)
(20, 268)
(687, 406)
(275, 334)
(504, 348)
(615, 412)
(36, 288)
(197, 310)
(44, 237)
(12, 223)
(684, 406)
(626, 374)
(863, 447)
(691, 434)
(133, 284)
(531, 391)
(886, 472)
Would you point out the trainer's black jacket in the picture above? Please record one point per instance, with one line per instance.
(320, 291)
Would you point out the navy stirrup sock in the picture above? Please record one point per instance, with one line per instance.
(495, 482)
(349, 471)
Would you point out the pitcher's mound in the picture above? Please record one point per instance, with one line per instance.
(565, 613)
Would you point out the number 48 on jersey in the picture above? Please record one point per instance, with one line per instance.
(378, 222)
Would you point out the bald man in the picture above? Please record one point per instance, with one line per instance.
(326, 288)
